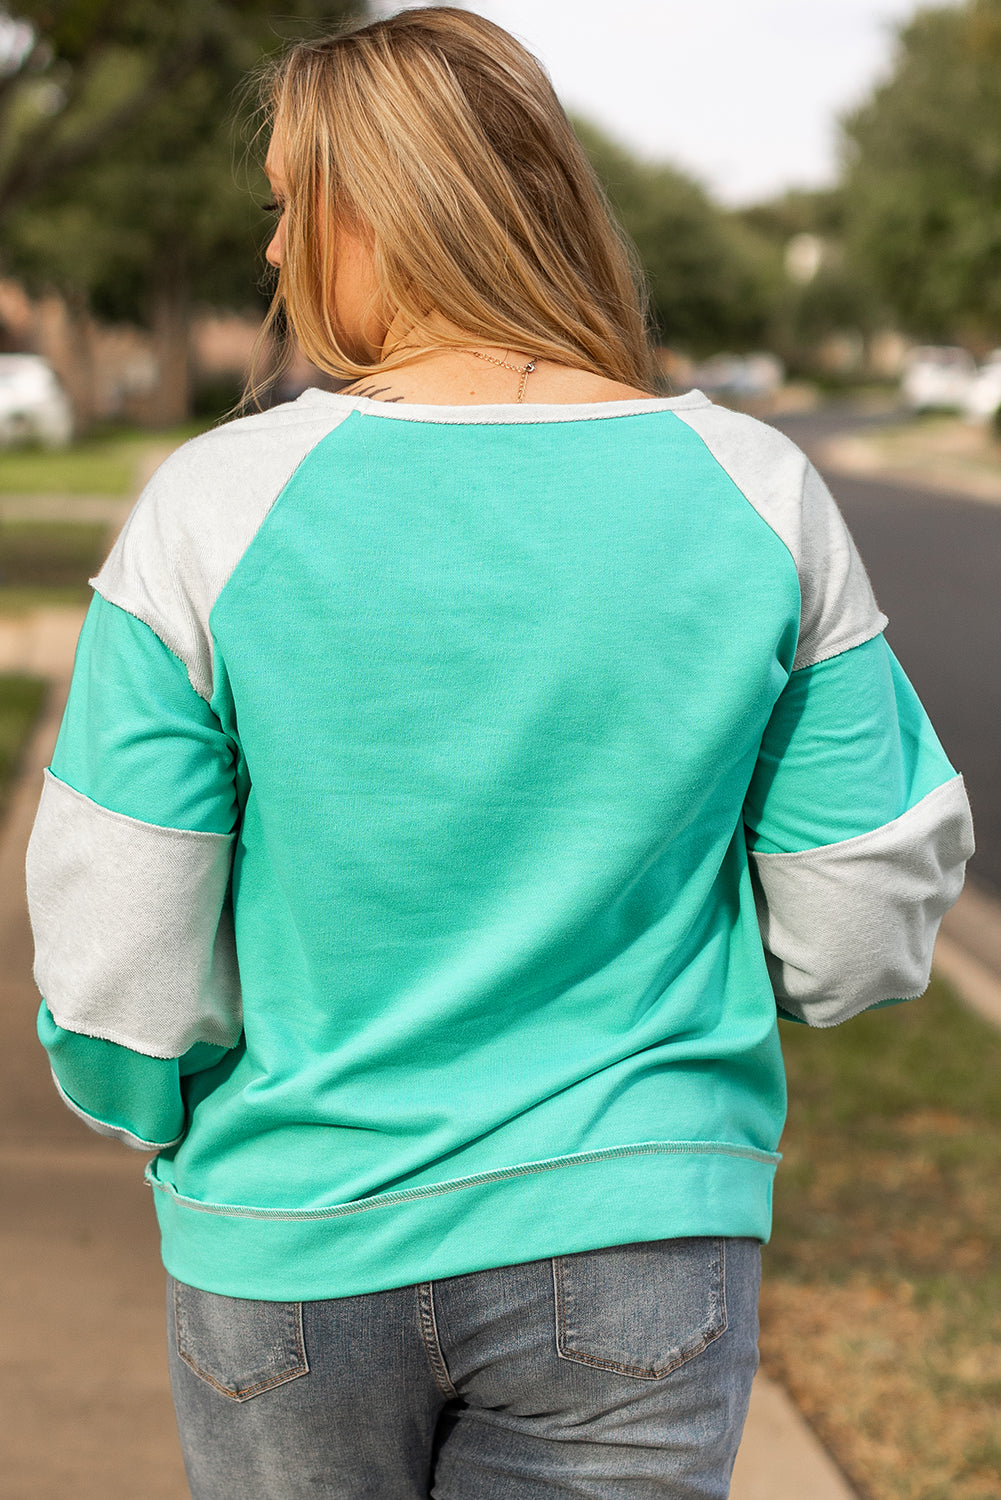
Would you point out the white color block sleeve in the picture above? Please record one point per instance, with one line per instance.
(838, 609)
(133, 936)
(853, 924)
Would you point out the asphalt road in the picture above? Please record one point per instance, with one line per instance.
(935, 564)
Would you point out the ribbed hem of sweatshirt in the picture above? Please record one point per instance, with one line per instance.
(628, 1194)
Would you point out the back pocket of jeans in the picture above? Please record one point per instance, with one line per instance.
(641, 1310)
(239, 1347)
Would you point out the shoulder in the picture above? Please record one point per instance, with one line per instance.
(765, 464)
(198, 515)
(252, 455)
(214, 491)
(771, 472)
(776, 477)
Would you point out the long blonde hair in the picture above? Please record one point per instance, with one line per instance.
(441, 137)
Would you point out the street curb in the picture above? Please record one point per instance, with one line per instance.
(973, 982)
(968, 951)
(843, 458)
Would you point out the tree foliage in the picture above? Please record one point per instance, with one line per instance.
(819, 211)
(713, 279)
(122, 175)
(923, 176)
(838, 297)
(121, 181)
(96, 70)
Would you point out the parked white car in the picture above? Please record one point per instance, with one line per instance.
(983, 398)
(937, 377)
(33, 405)
(740, 375)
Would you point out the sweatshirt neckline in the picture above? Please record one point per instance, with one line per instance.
(512, 413)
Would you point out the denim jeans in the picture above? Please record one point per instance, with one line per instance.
(613, 1373)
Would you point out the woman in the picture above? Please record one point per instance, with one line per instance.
(457, 771)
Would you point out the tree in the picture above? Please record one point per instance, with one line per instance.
(819, 211)
(91, 72)
(833, 296)
(713, 279)
(923, 177)
(120, 181)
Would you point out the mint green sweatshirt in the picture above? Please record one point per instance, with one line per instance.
(448, 802)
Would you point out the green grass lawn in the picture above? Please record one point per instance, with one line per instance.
(48, 562)
(881, 1310)
(105, 463)
(20, 701)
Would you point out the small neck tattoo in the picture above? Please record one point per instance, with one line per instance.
(372, 392)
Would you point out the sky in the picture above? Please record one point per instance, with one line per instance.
(743, 94)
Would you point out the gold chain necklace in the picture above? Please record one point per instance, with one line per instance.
(523, 370)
